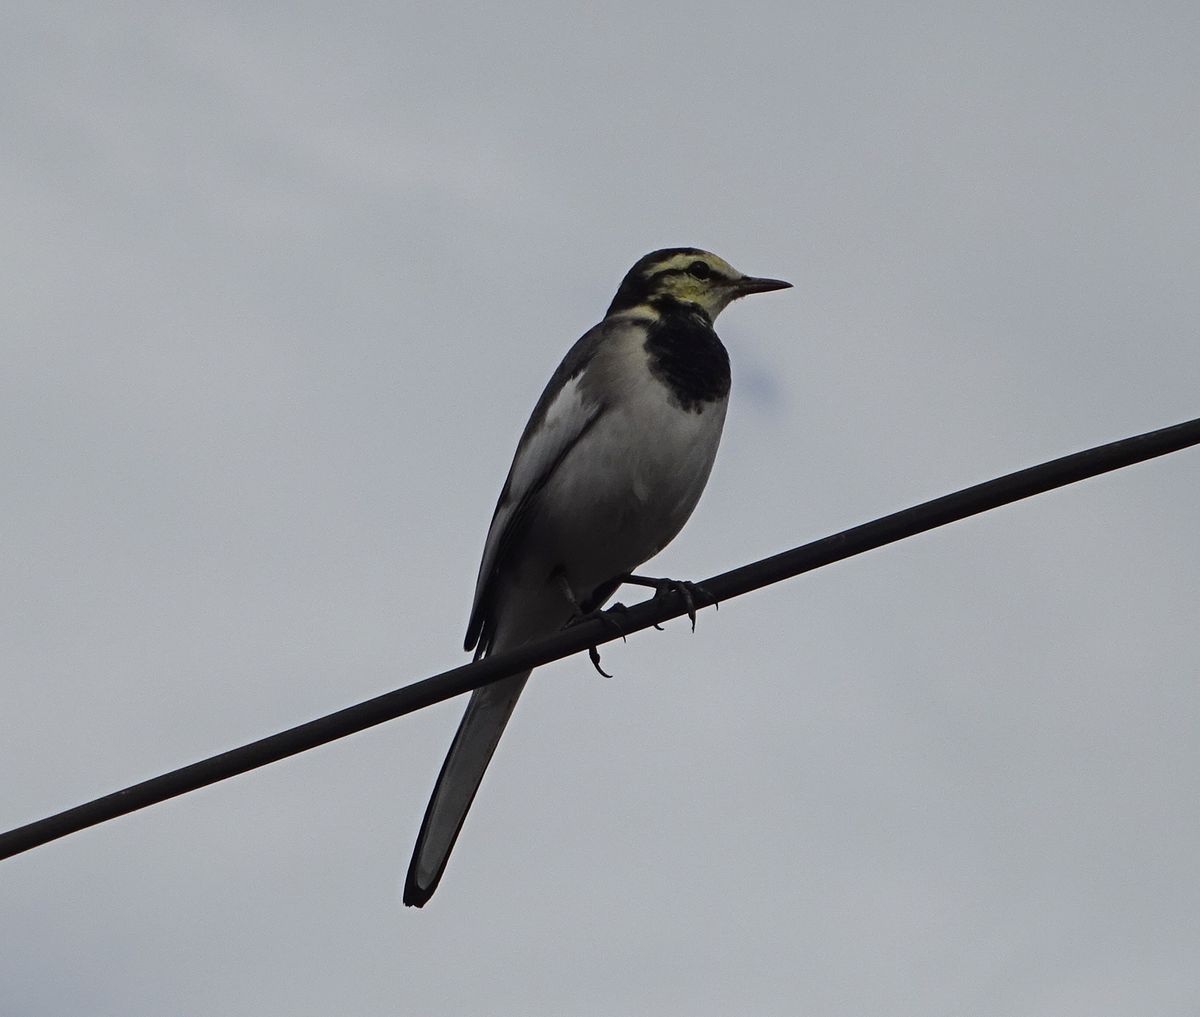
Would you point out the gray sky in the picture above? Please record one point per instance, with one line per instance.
(281, 287)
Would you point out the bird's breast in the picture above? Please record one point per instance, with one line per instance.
(633, 480)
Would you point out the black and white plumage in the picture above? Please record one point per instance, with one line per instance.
(607, 471)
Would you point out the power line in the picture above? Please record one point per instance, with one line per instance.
(596, 631)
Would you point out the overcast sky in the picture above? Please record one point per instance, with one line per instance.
(281, 286)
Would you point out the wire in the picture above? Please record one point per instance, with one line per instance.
(598, 630)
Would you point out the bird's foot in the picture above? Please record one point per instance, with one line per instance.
(607, 618)
(688, 591)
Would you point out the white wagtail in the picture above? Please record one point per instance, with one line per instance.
(609, 468)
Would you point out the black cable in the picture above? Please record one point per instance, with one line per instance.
(947, 509)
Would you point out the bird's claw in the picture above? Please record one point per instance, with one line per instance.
(594, 657)
(689, 592)
(607, 618)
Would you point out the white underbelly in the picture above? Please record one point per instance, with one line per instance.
(628, 486)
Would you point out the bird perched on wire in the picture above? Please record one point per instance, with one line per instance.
(607, 471)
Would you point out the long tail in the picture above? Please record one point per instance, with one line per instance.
(470, 752)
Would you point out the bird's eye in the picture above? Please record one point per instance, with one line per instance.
(699, 269)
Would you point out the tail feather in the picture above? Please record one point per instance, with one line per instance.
(468, 758)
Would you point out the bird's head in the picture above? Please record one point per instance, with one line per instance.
(689, 276)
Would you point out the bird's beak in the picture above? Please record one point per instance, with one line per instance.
(748, 284)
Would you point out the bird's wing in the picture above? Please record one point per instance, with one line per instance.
(565, 412)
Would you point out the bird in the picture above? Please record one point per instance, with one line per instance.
(608, 469)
